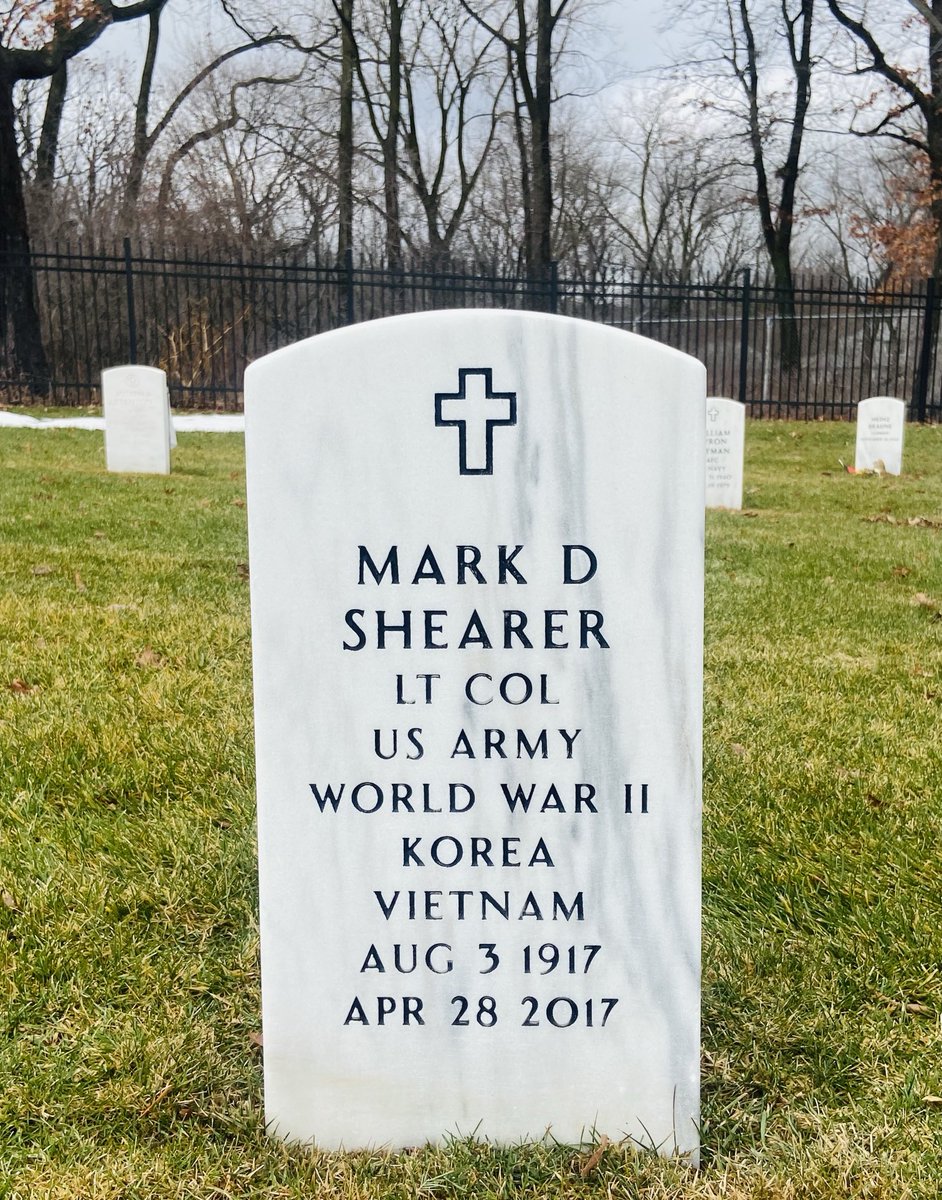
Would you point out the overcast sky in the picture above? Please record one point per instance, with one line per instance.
(633, 47)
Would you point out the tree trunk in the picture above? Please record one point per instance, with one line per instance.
(345, 133)
(540, 252)
(142, 142)
(526, 188)
(20, 331)
(391, 139)
(777, 218)
(52, 122)
(789, 331)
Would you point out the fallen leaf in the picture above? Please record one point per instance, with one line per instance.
(148, 658)
(920, 599)
(255, 1039)
(242, 570)
(238, 502)
(8, 901)
(21, 687)
(79, 585)
(99, 533)
(43, 569)
(595, 1157)
(901, 571)
(737, 749)
(916, 522)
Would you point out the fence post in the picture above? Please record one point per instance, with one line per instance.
(132, 318)
(554, 286)
(921, 390)
(744, 332)
(348, 282)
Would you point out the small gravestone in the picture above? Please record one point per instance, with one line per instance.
(138, 429)
(173, 428)
(725, 444)
(476, 549)
(880, 424)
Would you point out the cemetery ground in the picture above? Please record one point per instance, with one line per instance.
(130, 1063)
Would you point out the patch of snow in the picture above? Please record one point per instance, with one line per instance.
(188, 423)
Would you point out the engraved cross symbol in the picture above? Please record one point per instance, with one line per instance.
(713, 412)
(475, 409)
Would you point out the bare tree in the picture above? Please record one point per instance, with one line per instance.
(144, 138)
(454, 86)
(254, 156)
(345, 130)
(776, 177)
(530, 32)
(912, 115)
(874, 214)
(35, 41)
(375, 40)
(683, 207)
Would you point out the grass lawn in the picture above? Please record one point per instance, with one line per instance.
(129, 1054)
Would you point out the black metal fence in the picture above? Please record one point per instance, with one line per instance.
(202, 318)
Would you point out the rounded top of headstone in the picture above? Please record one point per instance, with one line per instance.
(479, 322)
(141, 372)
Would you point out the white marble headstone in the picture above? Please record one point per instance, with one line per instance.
(880, 424)
(725, 445)
(476, 548)
(138, 430)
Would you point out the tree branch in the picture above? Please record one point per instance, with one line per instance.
(880, 66)
(69, 40)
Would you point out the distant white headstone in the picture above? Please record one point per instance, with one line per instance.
(173, 429)
(725, 444)
(880, 424)
(476, 550)
(138, 429)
